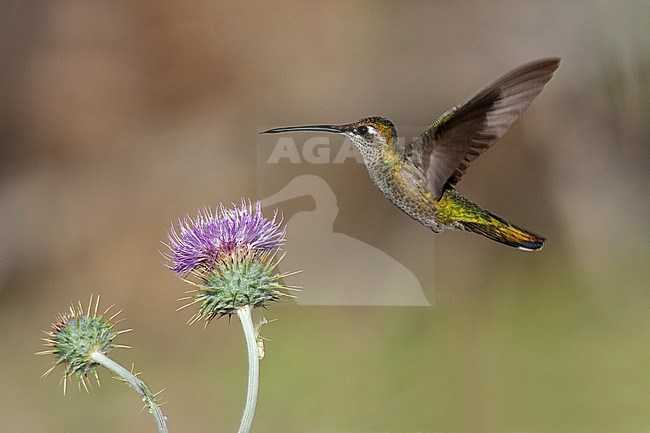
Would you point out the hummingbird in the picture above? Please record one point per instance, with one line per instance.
(420, 178)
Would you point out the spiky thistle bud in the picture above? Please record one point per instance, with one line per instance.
(81, 341)
(231, 255)
(76, 336)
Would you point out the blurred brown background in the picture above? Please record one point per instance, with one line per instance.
(118, 117)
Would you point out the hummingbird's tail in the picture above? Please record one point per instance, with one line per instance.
(506, 233)
(475, 219)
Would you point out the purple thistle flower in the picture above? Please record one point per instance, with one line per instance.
(202, 241)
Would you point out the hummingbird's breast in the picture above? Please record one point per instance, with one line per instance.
(402, 184)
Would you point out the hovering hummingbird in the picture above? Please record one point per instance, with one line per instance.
(419, 178)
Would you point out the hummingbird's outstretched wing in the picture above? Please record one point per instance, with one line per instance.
(445, 150)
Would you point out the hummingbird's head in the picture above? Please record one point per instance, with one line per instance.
(368, 133)
(371, 132)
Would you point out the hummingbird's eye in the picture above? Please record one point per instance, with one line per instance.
(362, 130)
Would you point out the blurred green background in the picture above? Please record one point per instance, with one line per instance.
(118, 117)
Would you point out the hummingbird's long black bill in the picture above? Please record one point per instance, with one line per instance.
(317, 128)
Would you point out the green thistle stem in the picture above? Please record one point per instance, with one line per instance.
(244, 314)
(138, 385)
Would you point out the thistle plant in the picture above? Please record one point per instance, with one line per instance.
(230, 257)
(81, 340)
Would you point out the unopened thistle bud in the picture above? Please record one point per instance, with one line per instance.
(81, 341)
(76, 336)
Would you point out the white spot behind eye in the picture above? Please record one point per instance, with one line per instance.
(369, 130)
